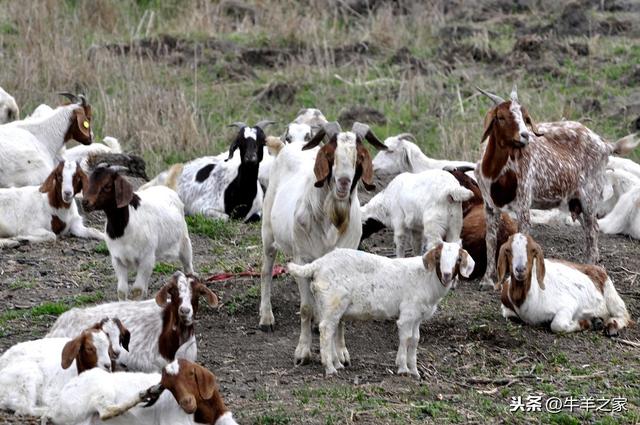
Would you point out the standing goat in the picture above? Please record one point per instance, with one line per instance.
(567, 295)
(354, 285)
(312, 207)
(28, 148)
(9, 110)
(159, 327)
(142, 227)
(543, 166)
(50, 208)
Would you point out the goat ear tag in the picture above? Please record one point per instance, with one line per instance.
(85, 124)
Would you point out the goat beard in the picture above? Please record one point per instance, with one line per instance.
(338, 212)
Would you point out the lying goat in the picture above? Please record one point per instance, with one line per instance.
(567, 295)
(158, 327)
(354, 285)
(625, 216)
(9, 110)
(39, 213)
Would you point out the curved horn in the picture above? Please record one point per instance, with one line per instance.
(72, 97)
(496, 99)
(329, 129)
(407, 136)
(364, 132)
(118, 168)
(514, 93)
(83, 100)
(238, 124)
(103, 165)
(264, 123)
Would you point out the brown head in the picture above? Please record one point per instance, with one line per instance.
(449, 261)
(64, 182)
(89, 349)
(108, 190)
(80, 123)
(517, 256)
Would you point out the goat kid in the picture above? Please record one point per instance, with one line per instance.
(543, 166)
(354, 285)
(50, 209)
(141, 227)
(567, 295)
(159, 327)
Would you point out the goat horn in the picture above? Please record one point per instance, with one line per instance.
(118, 168)
(238, 124)
(407, 136)
(83, 100)
(496, 99)
(514, 93)
(72, 97)
(329, 129)
(364, 132)
(264, 123)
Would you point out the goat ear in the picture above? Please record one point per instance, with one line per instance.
(125, 335)
(364, 159)
(233, 147)
(466, 263)
(71, 350)
(80, 180)
(430, 259)
(324, 162)
(206, 382)
(315, 140)
(211, 296)
(529, 121)
(503, 265)
(489, 121)
(540, 268)
(161, 296)
(124, 192)
(49, 184)
(82, 122)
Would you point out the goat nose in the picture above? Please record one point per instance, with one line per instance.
(344, 181)
(524, 135)
(107, 366)
(520, 270)
(184, 310)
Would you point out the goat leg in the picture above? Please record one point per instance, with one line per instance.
(149, 396)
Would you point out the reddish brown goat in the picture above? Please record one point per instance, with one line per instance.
(564, 164)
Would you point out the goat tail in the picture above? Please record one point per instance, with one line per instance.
(304, 270)
(616, 306)
(113, 144)
(173, 176)
(274, 144)
(460, 194)
(626, 144)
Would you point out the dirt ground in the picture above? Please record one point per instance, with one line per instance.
(471, 359)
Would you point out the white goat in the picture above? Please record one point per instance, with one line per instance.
(403, 155)
(142, 227)
(32, 372)
(50, 208)
(311, 207)
(567, 295)
(426, 206)
(9, 110)
(625, 164)
(28, 148)
(158, 327)
(354, 285)
(625, 216)
(81, 153)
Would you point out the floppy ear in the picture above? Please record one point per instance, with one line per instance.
(80, 180)
(503, 265)
(324, 162)
(125, 335)
(206, 382)
(315, 140)
(211, 297)
(540, 269)
(430, 259)
(234, 146)
(466, 263)
(124, 192)
(364, 159)
(49, 184)
(489, 120)
(161, 296)
(82, 122)
(71, 350)
(528, 121)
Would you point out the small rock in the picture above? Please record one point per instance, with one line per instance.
(363, 114)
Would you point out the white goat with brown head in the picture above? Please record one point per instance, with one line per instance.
(312, 207)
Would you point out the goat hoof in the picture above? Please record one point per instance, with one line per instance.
(330, 372)
(302, 361)
(122, 296)
(267, 328)
(136, 293)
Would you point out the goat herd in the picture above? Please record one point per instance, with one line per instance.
(456, 215)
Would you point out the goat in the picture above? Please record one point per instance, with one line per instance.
(526, 165)
(141, 227)
(9, 110)
(158, 327)
(625, 164)
(426, 206)
(192, 397)
(28, 148)
(32, 372)
(311, 207)
(353, 285)
(310, 116)
(625, 216)
(474, 229)
(81, 153)
(50, 209)
(567, 295)
(403, 155)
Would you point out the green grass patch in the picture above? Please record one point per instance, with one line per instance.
(165, 268)
(215, 229)
(101, 248)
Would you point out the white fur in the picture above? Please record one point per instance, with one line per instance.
(9, 110)
(156, 230)
(354, 285)
(28, 148)
(31, 374)
(81, 153)
(625, 216)
(425, 206)
(16, 204)
(625, 164)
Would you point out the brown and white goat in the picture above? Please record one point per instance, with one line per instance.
(158, 327)
(526, 165)
(39, 213)
(474, 227)
(567, 295)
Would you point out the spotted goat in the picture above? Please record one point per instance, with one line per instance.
(525, 165)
